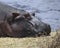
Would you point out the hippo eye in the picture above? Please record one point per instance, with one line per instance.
(33, 14)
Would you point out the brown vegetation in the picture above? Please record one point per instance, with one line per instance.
(52, 41)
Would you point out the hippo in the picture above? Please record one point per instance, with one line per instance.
(19, 23)
(24, 26)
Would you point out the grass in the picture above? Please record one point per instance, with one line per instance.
(38, 42)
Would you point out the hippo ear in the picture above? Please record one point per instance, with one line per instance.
(15, 14)
(26, 15)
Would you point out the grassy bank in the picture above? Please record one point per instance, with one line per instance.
(38, 42)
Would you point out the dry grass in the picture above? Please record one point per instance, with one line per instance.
(39, 42)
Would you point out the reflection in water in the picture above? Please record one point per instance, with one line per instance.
(47, 10)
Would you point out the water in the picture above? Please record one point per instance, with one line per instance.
(47, 10)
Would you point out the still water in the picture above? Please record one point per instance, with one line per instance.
(47, 10)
